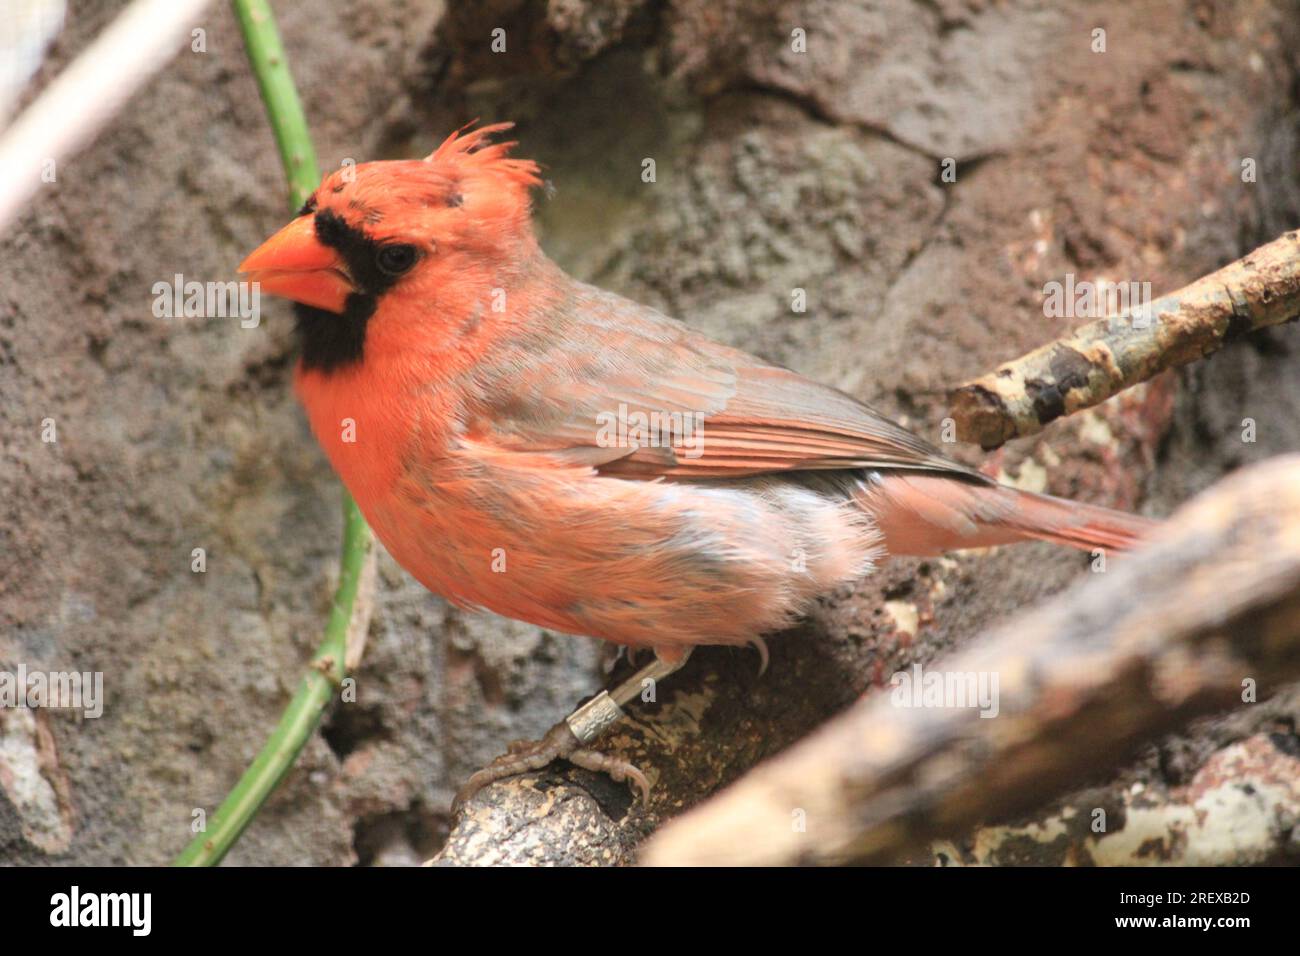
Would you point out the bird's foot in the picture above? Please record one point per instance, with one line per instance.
(559, 743)
(569, 738)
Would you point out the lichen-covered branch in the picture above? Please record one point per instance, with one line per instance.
(1238, 808)
(1206, 617)
(1107, 356)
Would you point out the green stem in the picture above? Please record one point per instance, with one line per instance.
(283, 108)
(328, 667)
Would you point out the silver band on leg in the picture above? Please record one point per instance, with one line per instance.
(590, 721)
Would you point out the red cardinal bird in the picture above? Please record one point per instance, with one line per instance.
(527, 443)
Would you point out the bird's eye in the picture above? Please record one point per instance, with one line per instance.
(395, 259)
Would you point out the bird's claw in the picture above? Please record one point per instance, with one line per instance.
(521, 756)
(616, 768)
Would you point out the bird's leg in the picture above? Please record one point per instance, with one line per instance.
(569, 738)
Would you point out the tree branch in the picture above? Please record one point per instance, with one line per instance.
(1102, 359)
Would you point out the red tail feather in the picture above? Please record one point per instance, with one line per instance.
(927, 514)
(1076, 524)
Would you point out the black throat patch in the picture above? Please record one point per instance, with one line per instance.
(331, 341)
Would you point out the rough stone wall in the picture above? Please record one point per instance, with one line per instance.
(774, 171)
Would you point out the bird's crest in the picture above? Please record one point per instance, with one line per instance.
(469, 151)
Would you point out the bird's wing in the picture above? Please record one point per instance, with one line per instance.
(623, 388)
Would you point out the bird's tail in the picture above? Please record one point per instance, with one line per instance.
(927, 514)
(1076, 524)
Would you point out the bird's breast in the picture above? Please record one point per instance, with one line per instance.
(372, 430)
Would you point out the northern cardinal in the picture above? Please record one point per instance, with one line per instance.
(525, 442)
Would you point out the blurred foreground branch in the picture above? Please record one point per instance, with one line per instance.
(1105, 357)
(75, 106)
(1204, 617)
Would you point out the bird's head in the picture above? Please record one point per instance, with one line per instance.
(395, 232)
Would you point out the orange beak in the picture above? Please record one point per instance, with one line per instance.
(296, 265)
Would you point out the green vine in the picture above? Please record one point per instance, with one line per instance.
(328, 666)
